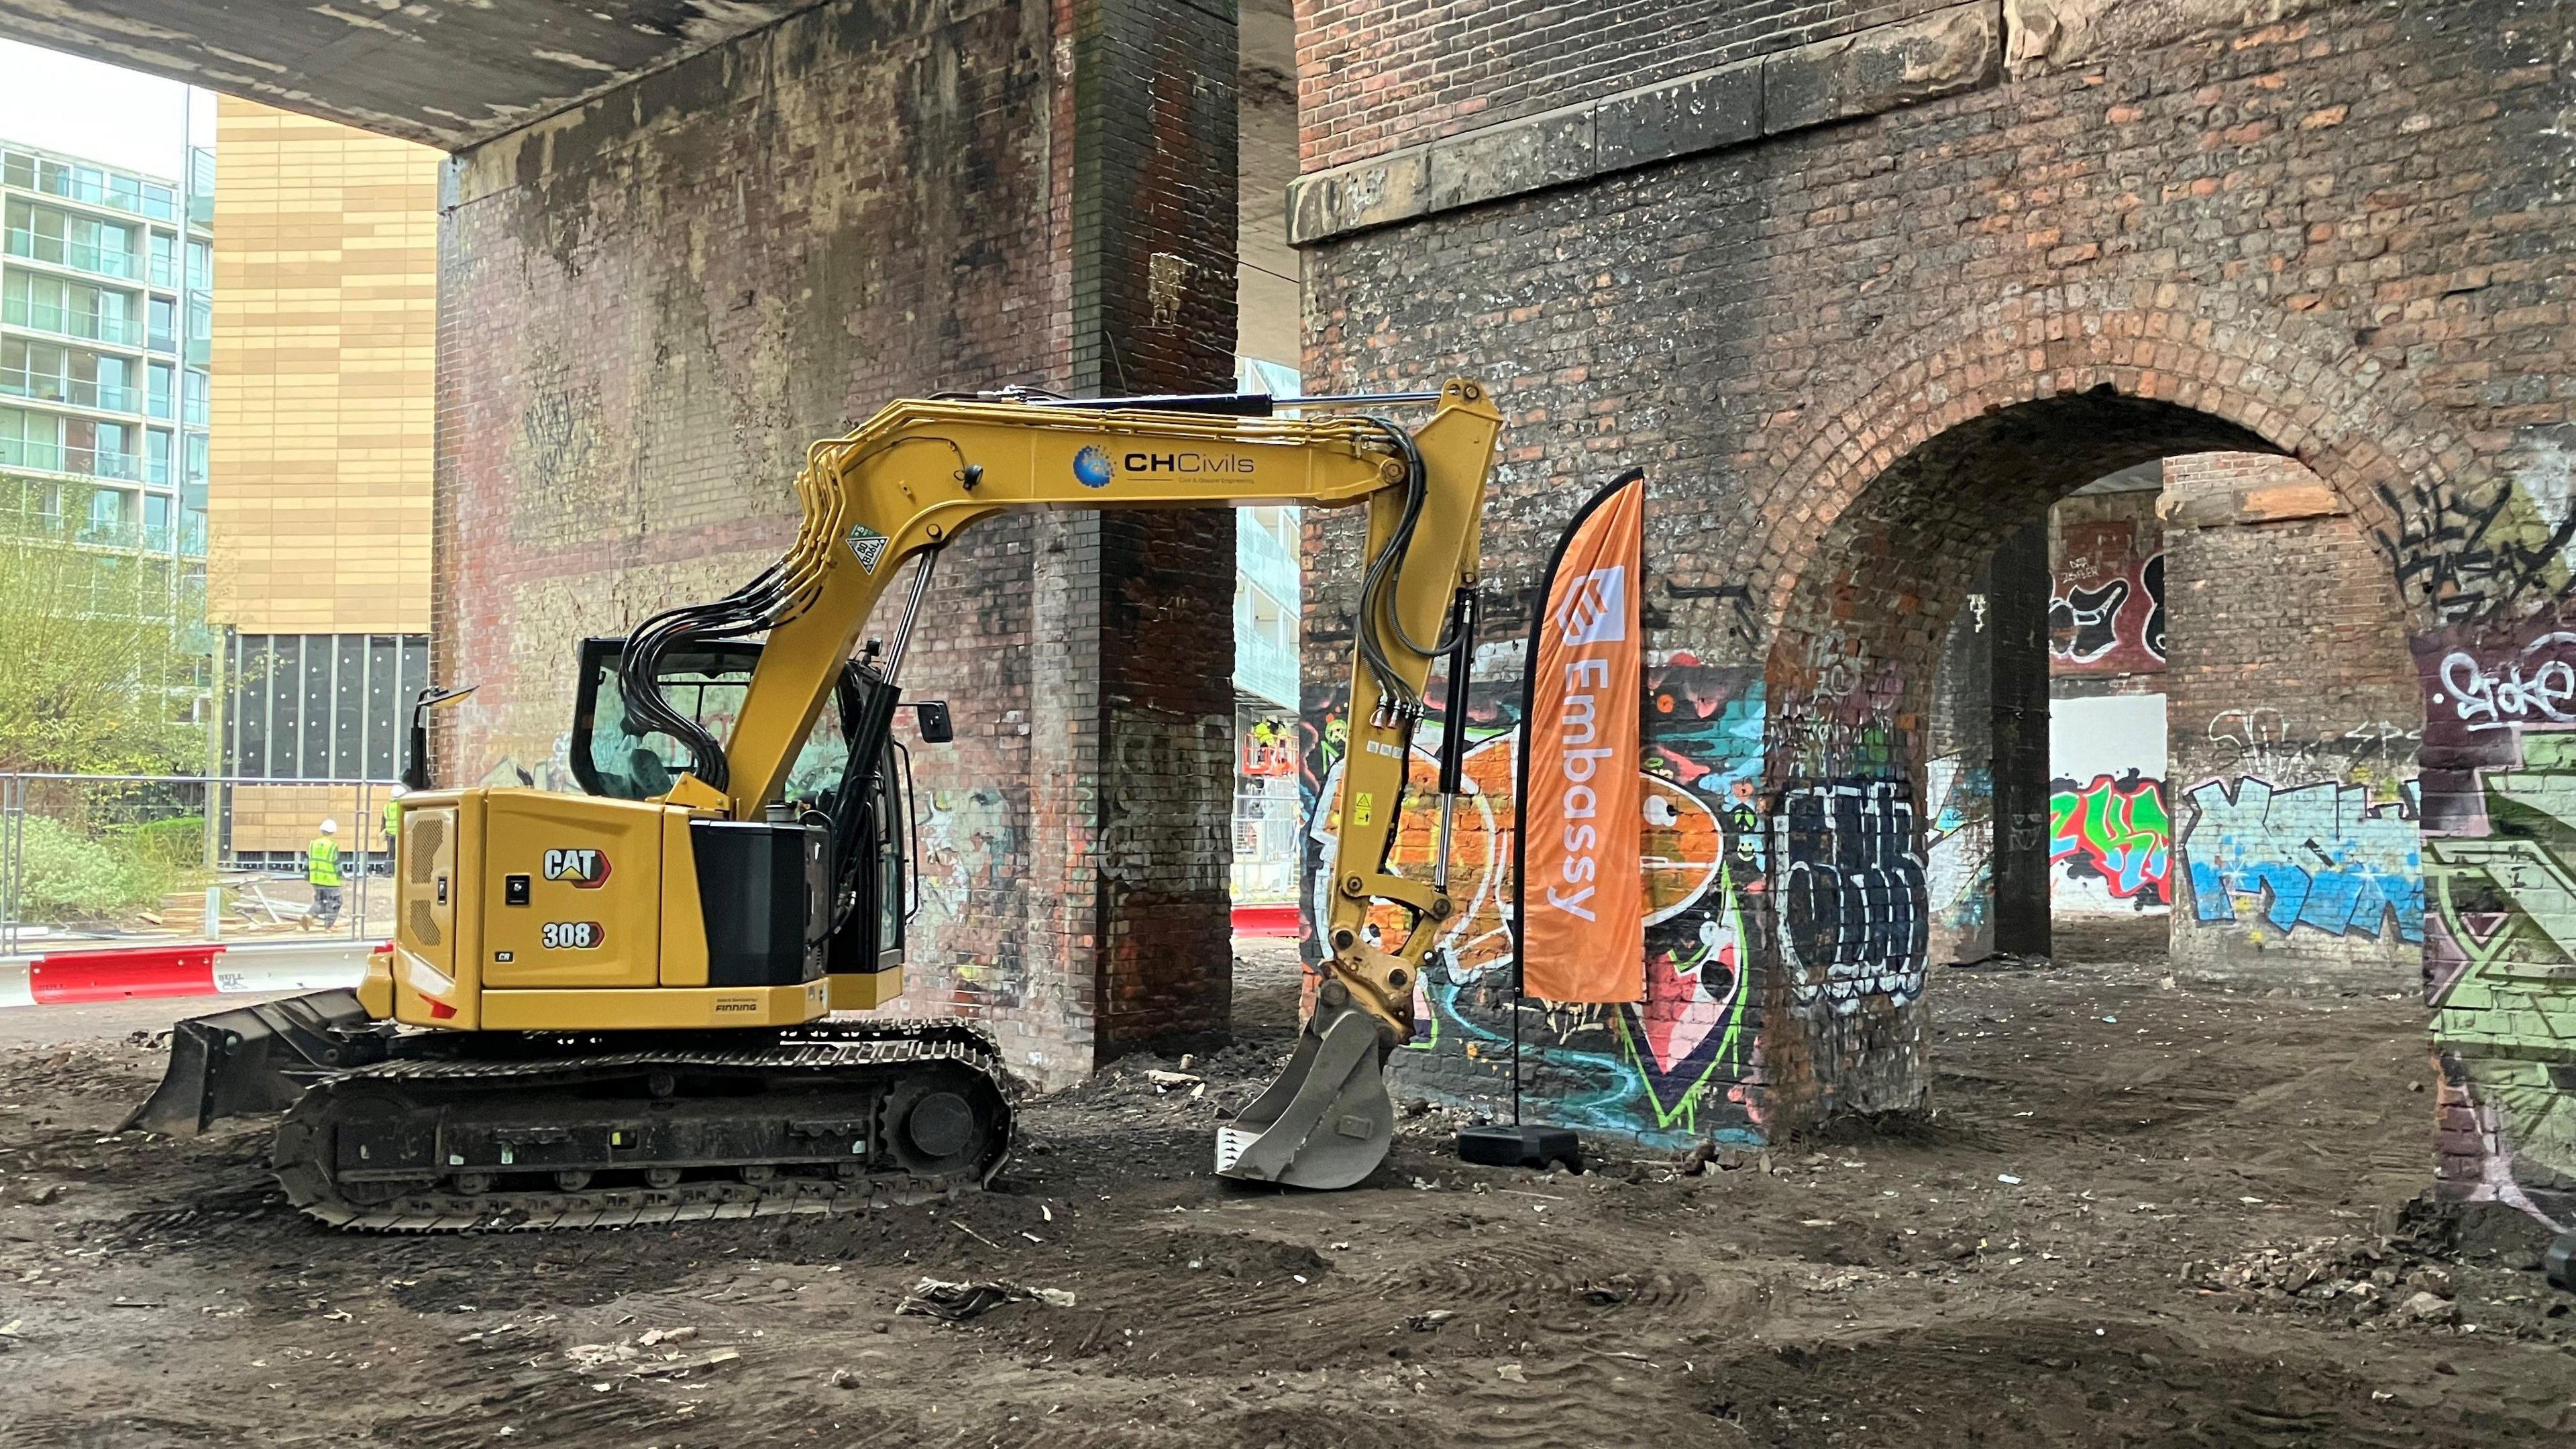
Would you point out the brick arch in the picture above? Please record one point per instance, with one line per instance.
(2311, 394)
(1901, 490)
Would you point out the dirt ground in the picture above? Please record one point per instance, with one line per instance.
(2031, 1264)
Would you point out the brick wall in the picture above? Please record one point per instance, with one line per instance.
(1854, 352)
(651, 305)
(2294, 722)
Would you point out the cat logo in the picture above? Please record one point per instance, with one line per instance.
(587, 869)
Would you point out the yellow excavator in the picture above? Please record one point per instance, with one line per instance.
(629, 1005)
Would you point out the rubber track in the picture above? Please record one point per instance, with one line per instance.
(821, 1047)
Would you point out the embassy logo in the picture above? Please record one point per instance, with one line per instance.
(1595, 610)
(1091, 468)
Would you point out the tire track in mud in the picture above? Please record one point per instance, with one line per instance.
(1578, 1393)
(1526, 1273)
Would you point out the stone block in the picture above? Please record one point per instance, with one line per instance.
(1506, 160)
(1701, 112)
(1880, 69)
(1383, 189)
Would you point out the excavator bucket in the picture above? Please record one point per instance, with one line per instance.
(1326, 1122)
(256, 1059)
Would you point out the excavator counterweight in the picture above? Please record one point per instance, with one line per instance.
(634, 1004)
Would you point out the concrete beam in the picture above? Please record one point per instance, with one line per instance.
(445, 73)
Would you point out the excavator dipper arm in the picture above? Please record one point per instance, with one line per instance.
(919, 473)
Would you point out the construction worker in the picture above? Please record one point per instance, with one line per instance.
(393, 821)
(322, 870)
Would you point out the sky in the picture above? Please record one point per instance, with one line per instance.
(119, 118)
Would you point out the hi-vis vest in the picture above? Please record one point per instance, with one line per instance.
(322, 861)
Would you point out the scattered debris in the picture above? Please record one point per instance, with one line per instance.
(957, 1302)
(2363, 1279)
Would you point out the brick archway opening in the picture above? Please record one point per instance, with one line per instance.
(1849, 682)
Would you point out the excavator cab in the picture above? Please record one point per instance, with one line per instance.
(852, 776)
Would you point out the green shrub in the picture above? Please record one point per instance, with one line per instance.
(70, 876)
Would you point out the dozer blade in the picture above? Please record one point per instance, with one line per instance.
(256, 1059)
(1326, 1122)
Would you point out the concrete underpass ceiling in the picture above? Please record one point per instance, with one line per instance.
(446, 73)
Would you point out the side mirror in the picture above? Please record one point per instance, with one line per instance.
(415, 775)
(936, 727)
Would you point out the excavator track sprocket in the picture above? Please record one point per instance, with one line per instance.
(478, 1134)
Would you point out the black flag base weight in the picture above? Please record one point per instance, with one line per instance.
(1520, 1147)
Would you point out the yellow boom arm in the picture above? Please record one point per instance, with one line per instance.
(920, 472)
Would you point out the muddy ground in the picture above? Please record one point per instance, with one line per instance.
(2030, 1265)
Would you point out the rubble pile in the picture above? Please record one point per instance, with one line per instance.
(2361, 1279)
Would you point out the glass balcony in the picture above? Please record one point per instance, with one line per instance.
(55, 388)
(80, 256)
(72, 322)
(56, 458)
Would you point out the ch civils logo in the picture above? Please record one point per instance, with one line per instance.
(1091, 468)
(1595, 610)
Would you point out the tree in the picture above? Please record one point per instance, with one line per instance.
(96, 673)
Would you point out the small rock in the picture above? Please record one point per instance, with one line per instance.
(780, 1285)
(2429, 1308)
(882, 1326)
(2433, 1280)
(652, 1336)
(1429, 1322)
(1511, 1373)
(843, 1379)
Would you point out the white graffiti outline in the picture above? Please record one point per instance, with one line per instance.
(2484, 701)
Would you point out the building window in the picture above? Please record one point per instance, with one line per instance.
(31, 440)
(107, 515)
(156, 456)
(200, 385)
(156, 522)
(162, 377)
(50, 304)
(165, 325)
(321, 706)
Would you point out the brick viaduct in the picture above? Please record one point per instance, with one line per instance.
(1866, 284)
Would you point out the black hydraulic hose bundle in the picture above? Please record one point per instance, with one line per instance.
(1379, 586)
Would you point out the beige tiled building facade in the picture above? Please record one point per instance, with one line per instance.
(325, 326)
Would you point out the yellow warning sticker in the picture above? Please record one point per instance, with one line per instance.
(1364, 808)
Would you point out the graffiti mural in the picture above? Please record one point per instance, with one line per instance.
(1958, 850)
(2106, 609)
(2318, 857)
(1854, 909)
(2110, 844)
(1666, 1070)
(2499, 822)
(2114, 832)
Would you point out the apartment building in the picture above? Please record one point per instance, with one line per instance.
(325, 334)
(105, 312)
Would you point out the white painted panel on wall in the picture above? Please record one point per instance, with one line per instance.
(2110, 833)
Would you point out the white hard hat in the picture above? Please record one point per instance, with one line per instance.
(401, 790)
(330, 827)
